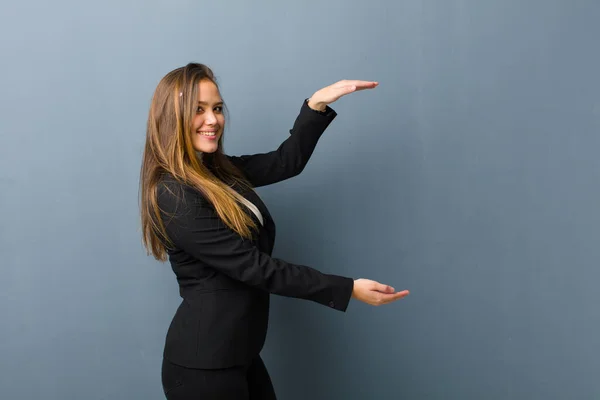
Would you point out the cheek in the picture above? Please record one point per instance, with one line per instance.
(197, 122)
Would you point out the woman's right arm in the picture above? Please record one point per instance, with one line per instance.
(194, 227)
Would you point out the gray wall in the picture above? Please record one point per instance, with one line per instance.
(470, 177)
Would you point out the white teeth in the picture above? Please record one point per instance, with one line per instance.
(208, 133)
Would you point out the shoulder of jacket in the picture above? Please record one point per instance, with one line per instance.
(170, 190)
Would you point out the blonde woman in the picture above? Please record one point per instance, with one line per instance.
(199, 211)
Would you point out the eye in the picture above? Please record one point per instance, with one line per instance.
(219, 109)
(199, 109)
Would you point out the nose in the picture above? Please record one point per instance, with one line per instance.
(210, 118)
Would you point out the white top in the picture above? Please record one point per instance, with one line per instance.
(254, 209)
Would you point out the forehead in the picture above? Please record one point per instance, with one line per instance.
(208, 92)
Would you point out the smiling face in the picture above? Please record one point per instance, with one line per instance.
(209, 121)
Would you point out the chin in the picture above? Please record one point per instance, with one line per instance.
(206, 149)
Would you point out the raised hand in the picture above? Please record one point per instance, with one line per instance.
(333, 92)
(375, 293)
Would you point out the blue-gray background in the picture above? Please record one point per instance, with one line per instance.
(470, 176)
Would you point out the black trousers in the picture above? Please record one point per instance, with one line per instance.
(249, 382)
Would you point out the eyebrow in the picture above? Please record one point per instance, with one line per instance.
(205, 103)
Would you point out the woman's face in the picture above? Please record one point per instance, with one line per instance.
(209, 121)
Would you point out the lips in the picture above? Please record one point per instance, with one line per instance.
(208, 135)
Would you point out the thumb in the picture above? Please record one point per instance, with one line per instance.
(380, 287)
(345, 89)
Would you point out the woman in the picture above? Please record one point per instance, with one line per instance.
(199, 209)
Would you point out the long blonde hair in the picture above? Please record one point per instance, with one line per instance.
(169, 150)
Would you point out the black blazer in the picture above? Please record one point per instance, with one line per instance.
(225, 280)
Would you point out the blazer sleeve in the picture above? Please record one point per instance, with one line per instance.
(292, 155)
(194, 227)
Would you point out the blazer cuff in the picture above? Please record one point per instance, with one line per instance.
(341, 293)
(329, 112)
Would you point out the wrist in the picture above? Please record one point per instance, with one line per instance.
(317, 105)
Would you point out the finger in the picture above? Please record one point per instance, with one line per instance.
(358, 82)
(362, 84)
(397, 296)
(389, 298)
(358, 89)
(347, 89)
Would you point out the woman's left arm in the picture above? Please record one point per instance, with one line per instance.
(293, 154)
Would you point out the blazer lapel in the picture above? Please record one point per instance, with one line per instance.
(268, 228)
